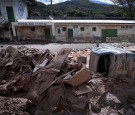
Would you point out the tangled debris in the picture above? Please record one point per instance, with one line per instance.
(14, 106)
(39, 83)
(17, 66)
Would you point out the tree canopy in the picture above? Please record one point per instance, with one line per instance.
(128, 6)
(75, 8)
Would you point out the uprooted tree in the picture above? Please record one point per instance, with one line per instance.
(128, 6)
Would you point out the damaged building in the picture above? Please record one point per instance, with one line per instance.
(15, 25)
(112, 62)
(75, 30)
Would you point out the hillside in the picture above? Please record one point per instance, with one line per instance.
(75, 8)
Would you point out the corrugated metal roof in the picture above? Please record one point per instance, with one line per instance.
(84, 21)
(107, 49)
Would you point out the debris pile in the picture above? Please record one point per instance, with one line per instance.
(122, 44)
(79, 56)
(17, 67)
(12, 106)
(40, 83)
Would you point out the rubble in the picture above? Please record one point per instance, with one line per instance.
(78, 78)
(80, 56)
(37, 82)
(12, 106)
(82, 59)
(45, 77)
(17, 65)
(83, 90)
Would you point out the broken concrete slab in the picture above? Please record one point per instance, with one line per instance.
(79, 77)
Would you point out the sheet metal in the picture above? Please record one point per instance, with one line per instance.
(82, 21)
(109, 49)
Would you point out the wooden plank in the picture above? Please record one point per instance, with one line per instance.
(44, 79)
(58, 78)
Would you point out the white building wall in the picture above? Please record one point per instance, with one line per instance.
(120, 32)
(89, 33)
(19, 8)
(60, 36)
(127, 34)
(97, 32)
(21, 11)
(127, 31)
(77, 33)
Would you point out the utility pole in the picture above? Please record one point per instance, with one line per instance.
(51, 9)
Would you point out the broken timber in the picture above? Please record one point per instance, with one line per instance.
(44, 79)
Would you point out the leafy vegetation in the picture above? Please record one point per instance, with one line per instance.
(127, 5)
(75, 8)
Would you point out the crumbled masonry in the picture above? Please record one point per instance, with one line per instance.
(34, 82)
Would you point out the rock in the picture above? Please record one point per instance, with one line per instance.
(130, 112)
(112, 100)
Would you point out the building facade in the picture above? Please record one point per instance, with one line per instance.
(11, 11)
(75, 30)
(14, 24)
(34, 30)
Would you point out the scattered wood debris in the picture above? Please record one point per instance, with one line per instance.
(35, 82)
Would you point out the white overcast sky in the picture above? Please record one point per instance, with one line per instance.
(58, 1)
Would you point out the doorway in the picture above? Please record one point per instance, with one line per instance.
(47, 34)
(108, 33)
(10, 14)
(70, 35)
(104, 64)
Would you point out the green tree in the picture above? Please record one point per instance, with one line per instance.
(128, 5)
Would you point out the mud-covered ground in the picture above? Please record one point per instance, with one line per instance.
(55, 47)
(36, 82)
